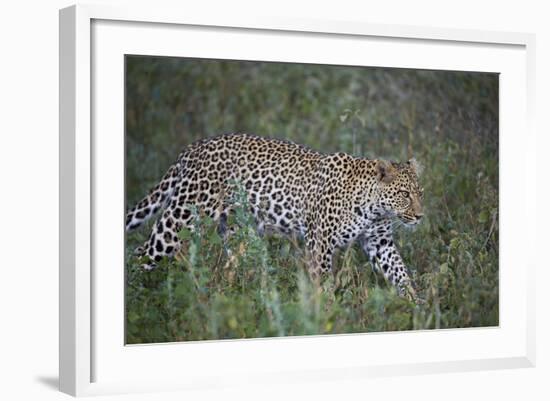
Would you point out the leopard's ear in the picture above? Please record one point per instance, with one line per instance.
(416, 166)
(386, 171)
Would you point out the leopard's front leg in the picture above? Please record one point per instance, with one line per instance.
(377, 242)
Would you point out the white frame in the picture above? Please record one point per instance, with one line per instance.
(76, 184)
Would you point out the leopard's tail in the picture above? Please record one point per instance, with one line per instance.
(156, 199)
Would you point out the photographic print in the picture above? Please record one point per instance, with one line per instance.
(268, 199)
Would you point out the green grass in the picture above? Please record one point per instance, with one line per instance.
(447, 120)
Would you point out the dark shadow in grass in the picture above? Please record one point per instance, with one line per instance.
(51, 382)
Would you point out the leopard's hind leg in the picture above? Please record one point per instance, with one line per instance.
(164, 240)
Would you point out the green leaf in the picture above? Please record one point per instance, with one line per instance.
(132, 316)
(444, 268)
(285, 250)
(184, 234)
(214, 238)
(454, 242)
(483, 217)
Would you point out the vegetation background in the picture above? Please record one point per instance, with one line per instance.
(447, 120)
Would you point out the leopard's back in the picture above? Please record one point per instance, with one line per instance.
(275, 174)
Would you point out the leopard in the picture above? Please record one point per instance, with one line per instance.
(329, 200)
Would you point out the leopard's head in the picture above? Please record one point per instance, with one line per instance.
(399, 192)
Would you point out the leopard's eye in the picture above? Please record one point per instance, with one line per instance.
(405, 193)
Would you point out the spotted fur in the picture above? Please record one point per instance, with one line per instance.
(330, 200)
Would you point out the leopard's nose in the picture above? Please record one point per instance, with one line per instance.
(419, 215)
